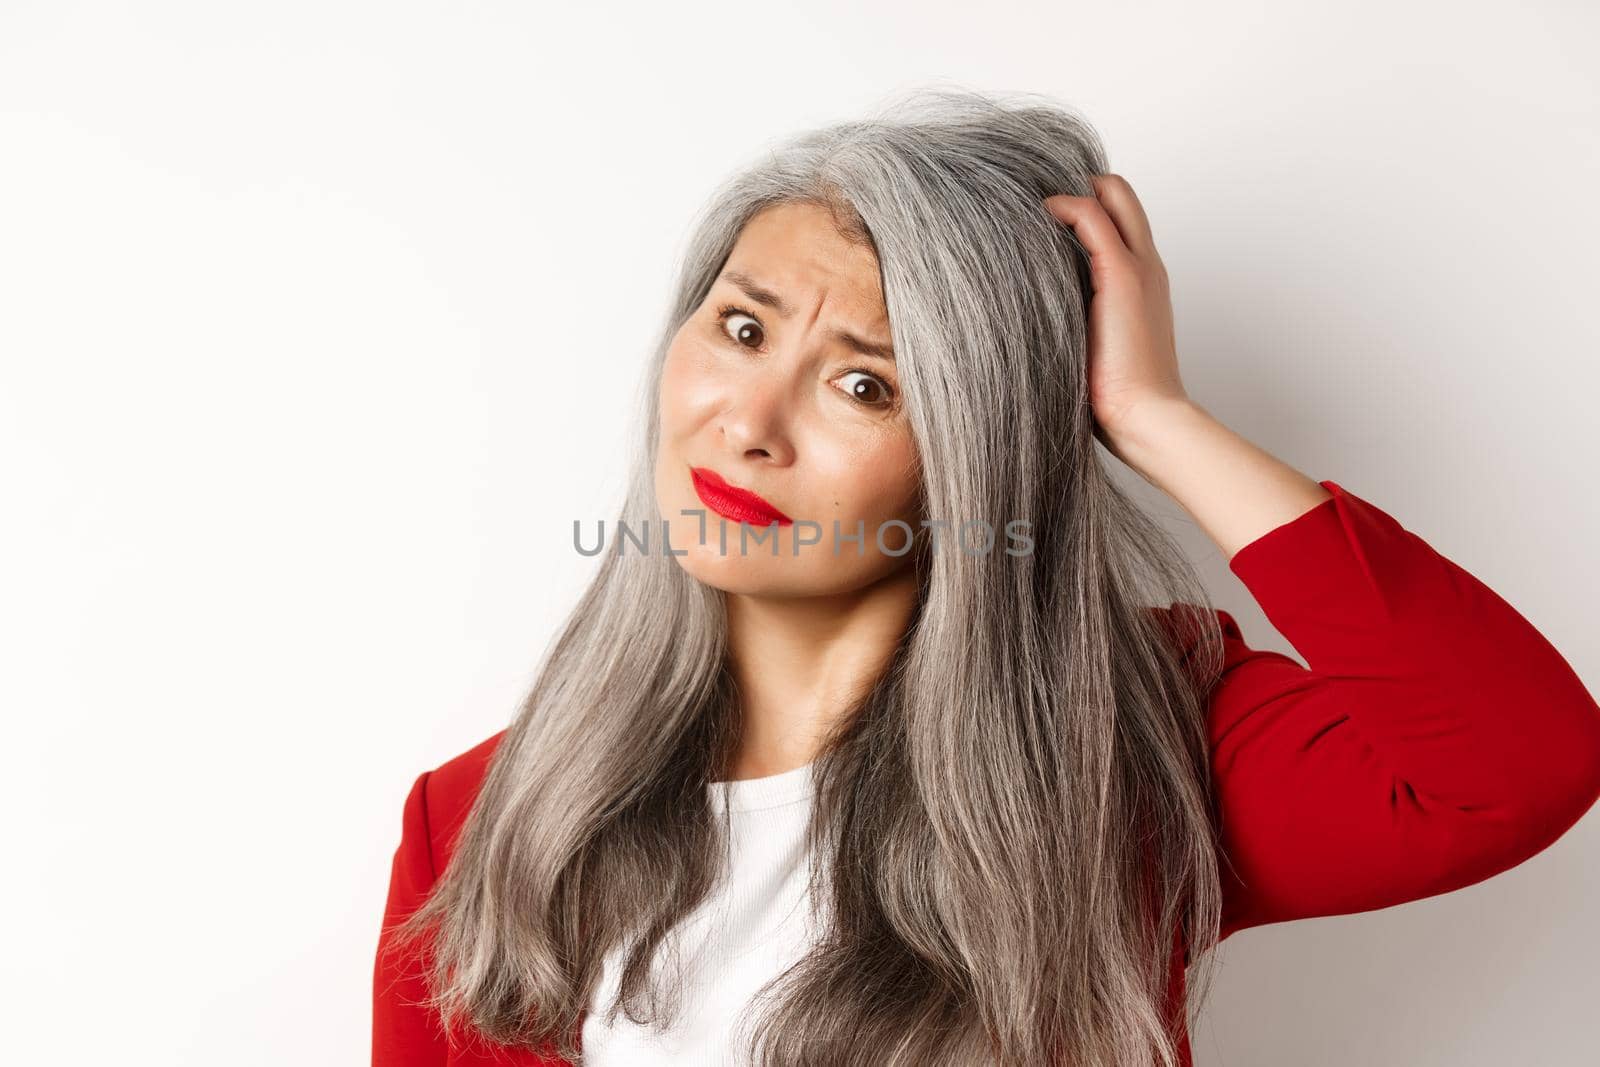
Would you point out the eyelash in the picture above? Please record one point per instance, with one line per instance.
(727, 310)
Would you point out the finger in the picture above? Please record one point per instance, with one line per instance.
(1123, 205)
(1093, 226)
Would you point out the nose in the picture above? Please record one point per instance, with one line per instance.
(756, 422)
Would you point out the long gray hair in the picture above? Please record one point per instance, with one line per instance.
(1017, 818)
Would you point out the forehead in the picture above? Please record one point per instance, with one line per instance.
(798, 250)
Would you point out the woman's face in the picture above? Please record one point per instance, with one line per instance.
(782, 383)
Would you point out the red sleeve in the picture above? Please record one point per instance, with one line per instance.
(1437, 738)
(404, 1034)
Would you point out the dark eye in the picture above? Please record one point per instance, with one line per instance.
(867, 389)
(750, 331)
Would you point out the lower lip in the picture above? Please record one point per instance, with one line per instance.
(732, 507)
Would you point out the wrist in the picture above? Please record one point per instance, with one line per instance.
(1146, 424)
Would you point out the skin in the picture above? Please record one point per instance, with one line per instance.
(809, 632)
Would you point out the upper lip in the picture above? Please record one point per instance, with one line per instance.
(730, 501)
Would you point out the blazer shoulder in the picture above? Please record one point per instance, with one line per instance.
(451, 788)
(1180, 622)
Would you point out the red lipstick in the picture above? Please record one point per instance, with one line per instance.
(731, 502)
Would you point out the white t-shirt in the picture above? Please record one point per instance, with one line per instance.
(749, 929)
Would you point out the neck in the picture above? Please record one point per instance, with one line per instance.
(801, 663)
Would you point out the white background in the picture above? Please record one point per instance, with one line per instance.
(320, 322)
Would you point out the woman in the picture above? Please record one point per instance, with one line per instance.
(893, 799)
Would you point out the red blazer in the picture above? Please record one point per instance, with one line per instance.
(1435, 740)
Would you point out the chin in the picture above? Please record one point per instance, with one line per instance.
(733, 573)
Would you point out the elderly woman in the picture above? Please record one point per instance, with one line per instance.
(907, 739)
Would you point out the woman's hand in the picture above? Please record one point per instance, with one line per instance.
(1235, 491)
(1133, 355)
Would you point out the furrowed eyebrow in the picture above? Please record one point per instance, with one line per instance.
(757, 293)
(766, 297)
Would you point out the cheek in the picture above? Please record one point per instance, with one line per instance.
(671, 399)
(689, 386)
(876, 481)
